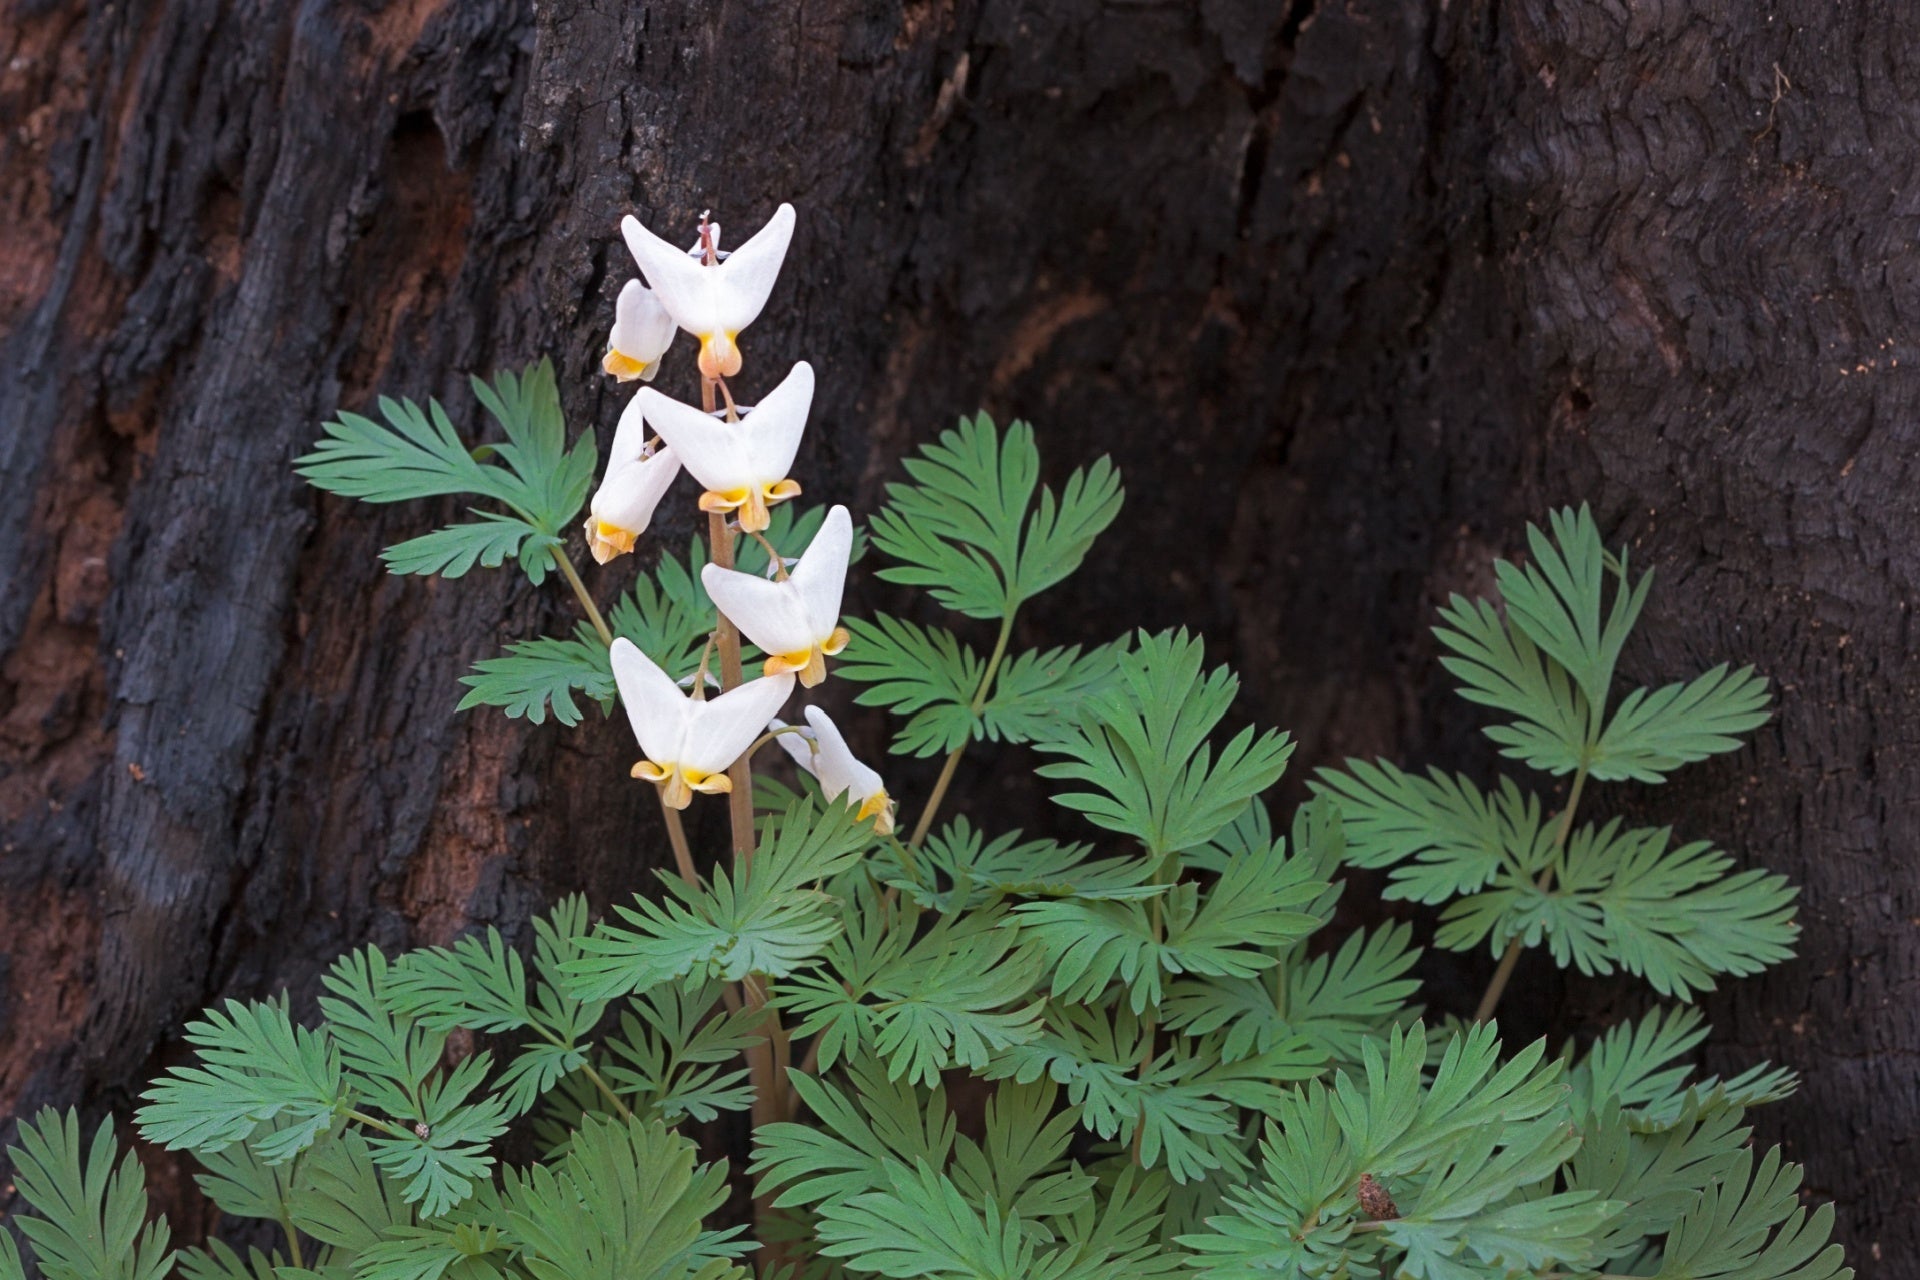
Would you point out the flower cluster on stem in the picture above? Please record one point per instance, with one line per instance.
(741, 457)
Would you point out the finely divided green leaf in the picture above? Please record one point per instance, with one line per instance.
(969, 530)
(1141, 742)
(89, 1214)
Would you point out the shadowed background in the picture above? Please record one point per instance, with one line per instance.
(1349, 290)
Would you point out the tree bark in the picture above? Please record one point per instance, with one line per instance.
(1351, 291)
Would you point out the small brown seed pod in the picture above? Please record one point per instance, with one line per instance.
(1374, 1199)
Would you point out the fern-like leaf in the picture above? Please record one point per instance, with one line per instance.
(89, 1219)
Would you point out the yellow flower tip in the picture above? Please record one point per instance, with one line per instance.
(879, 806)
(810, 664)
(839, 640)
(751, 502)
(754, 517)
(608, 541)
(778, 664)
(624, 367)
(719, 355)
(678, 784)
(720, 501)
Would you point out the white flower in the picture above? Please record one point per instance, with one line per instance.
(642, 332)
(743, 464)
(825, 754)
(689, 743)
(635, 482)
(797, 621)
(713, 303)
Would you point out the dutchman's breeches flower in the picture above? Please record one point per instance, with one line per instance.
(689, 743)
(635, 482)
(713, 303)
(796, 619)
(642, 332)
(823, 753)
(743, 464)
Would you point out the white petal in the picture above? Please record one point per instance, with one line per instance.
(772, 614)
(681, 284)
(642, 328)
(748, 274)
(839, 772)
(629, 495)
(629, 438)
(725, 726)
(660, 714)
(717, 453)
(777, 423)
(821, 575)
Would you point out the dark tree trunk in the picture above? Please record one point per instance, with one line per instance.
(1351, 290)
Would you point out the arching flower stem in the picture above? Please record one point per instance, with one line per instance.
(770, 735)
(572, 575)
(773, 556)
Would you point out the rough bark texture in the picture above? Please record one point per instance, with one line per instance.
(1351, 290)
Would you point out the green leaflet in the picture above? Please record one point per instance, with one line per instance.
(676, 1055)
(970, 530)
(89, 1212)
(1141, 744)
(954, 996)
(928, 676)
(626, 1202)
(417, 453)
(1751, 1224)
(254, 1066)
(771, 920)
(1625, 898)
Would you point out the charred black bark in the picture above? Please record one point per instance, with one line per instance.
(1351, 291)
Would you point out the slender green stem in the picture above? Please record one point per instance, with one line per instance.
(770, 735)
(572, 575)
(1511, 957)
(599, 1082)
(945, 779)
(606, 1091)
(374, 1122)
(1152, 1022)
(293, 1238)
(773, 555)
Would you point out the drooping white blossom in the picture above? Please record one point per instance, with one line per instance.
(689, 743)
(743, 464)
(713, 303)
(823, 752)
(642, 332)
(635, 481)
(796, 620)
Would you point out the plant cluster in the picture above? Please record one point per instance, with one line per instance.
(968, 1053)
